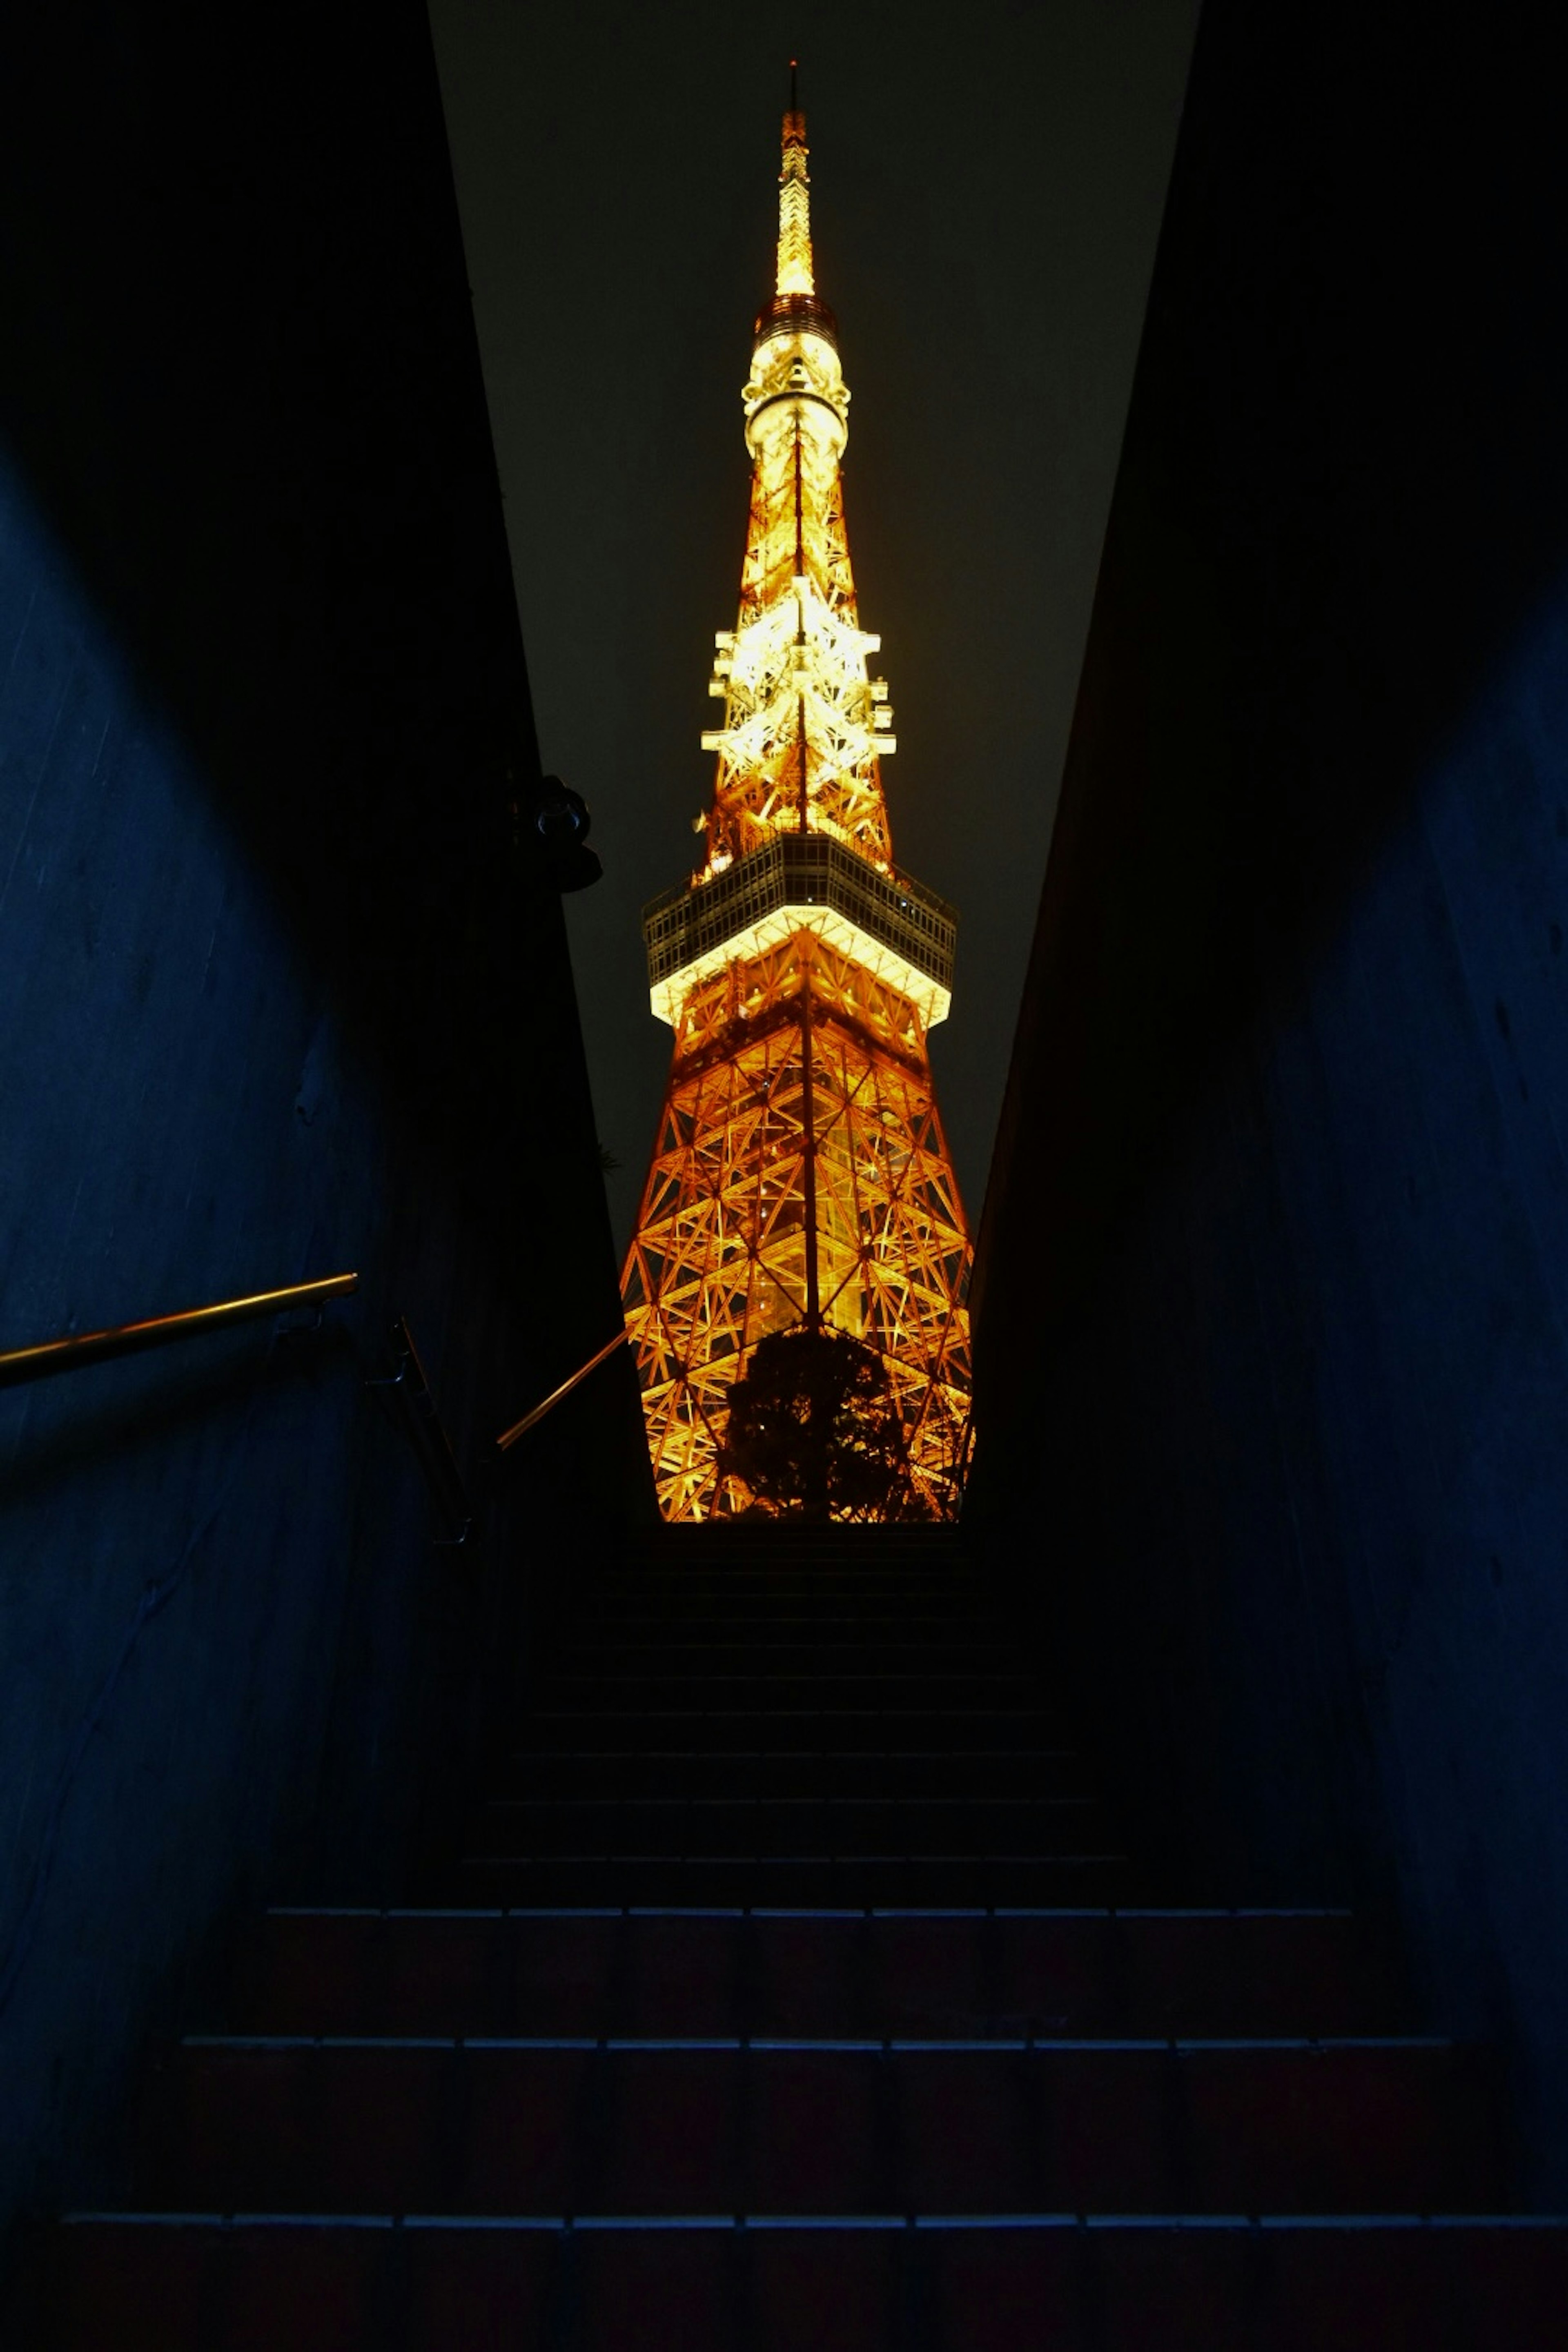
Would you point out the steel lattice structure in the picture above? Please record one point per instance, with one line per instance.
(800, 1176)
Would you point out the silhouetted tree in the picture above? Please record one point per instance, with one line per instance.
(814, 1430)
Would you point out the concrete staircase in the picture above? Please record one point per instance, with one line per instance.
(791, 1993)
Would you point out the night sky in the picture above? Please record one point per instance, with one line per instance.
(986, 189)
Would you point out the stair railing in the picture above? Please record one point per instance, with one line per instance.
(509, 1437)
(410, 1390)
(71, 1353)
(406, 1379)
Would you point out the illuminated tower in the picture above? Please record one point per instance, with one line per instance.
(800, 1177)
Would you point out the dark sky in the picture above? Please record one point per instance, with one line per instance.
(986, 189)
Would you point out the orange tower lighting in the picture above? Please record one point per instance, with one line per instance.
(800, 1177)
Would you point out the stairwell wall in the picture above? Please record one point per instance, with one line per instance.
(279, 997)
(1272, 1304)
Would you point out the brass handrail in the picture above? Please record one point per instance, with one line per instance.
(67, 1355)
(520, 1428)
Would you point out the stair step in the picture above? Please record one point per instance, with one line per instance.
(741, 1588)
(1094, 1973)
(784, 1648)
(749, 1881)
(830, 1602)
(823, 1691)
(1012, 1773)
(785, 1730)
(769, 1827)
(536, 2283)
(891, 1658)
(690, 2128)
(890, 1616)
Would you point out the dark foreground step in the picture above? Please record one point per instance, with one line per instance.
(774, 1729)
(537, 2284)
(676, 1653)
(768, 1616)
(904, 1573)
(876, 1568)
(1011, 1774)
(646, 1689)
(750, 1882)
(830, 1616)
(775, 1826)
(856, 1973)
(779, 2127)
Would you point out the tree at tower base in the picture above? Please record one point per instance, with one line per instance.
(813, 1433)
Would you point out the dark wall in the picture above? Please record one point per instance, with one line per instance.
(283, 990)
(1272, 1333)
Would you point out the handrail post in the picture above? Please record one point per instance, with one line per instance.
(412, 1391)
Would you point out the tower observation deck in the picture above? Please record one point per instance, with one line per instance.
(800, 1176)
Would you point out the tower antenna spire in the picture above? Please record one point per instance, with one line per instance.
(794, 266)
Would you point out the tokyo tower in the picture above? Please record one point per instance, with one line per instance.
(800, 1180)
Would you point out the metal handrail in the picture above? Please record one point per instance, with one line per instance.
(509, 1437)
(410, 1385)
(69, 1355)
